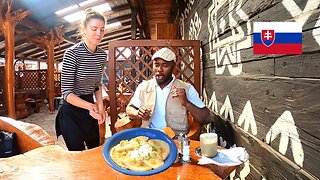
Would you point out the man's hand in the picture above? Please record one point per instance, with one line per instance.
(179, 93)
(144, 113)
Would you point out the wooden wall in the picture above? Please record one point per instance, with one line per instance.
(270, 103)
(166, 31)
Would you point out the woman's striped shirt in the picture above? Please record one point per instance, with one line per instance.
(81, 70)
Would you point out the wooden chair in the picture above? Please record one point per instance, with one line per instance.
(130, 63)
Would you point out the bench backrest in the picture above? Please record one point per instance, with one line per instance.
(29, 136)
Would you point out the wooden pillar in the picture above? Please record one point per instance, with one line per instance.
(134, 23)
(50, 71)
(8, 21)
(9, 80)
(47, 42)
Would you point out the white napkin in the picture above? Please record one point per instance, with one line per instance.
(227, 157)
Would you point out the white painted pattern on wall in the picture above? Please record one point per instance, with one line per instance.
(303, 15)
(184, 16)
(195, 27)
(316, 32)
(226, 52)
(212, 102)
(286, 128)
(226, 109)
(247, 117)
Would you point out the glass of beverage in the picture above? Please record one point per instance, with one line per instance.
(209, 144)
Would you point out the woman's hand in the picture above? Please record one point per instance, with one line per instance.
(103, 115)
(94, 112)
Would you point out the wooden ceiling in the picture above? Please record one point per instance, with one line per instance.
(43, 18)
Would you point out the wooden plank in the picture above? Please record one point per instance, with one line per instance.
(270, 163)
(270, 97)
(166, 31)
(304, 66)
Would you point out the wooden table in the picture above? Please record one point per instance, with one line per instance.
(54, 162)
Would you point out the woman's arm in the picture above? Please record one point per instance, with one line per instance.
(99, 101)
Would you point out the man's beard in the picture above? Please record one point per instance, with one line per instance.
(165, 80)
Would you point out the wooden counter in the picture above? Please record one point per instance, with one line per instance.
(53, 162)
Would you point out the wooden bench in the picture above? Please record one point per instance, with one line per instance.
(29, 136)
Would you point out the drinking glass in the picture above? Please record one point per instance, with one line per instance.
(209, 144)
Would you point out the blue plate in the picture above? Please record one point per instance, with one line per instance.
(132, 133)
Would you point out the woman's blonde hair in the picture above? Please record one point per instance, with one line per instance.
(90, 14)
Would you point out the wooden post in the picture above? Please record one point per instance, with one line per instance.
(50, 71)
(47, 42)
(9, 79)
(7, 26)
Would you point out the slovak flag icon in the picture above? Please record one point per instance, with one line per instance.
(267, 37)
(277, 38)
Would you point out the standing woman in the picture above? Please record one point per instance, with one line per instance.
(78, 118)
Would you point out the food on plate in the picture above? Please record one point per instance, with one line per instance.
(162, 147)
(140, 154)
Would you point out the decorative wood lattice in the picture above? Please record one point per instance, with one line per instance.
(57, 80)
(130, 63)
(31, 79)
(35, 79)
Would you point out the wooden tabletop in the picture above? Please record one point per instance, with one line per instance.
(54, 162)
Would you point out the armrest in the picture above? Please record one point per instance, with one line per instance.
(194, 128)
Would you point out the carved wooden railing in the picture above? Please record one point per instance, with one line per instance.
(130, 63)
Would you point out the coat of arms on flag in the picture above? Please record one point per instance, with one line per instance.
(277, 38)
(267, 37)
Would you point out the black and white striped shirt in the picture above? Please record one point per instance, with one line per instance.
(81, 70)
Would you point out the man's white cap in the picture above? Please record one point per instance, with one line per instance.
(165, 54)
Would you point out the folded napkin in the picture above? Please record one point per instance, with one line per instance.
(227, 157)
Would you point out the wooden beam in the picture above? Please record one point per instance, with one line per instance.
(33, 25)
(70, 39)
(173, 11)
(134, 22)
(33, 51)
(114, 38)
(143, 18)
(109, 21)
(116, 33)
(31, 59)
(25, 49)
(105, 47)
(62, 47)
(117, 19)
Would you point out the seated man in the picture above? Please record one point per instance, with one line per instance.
(165, 100)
